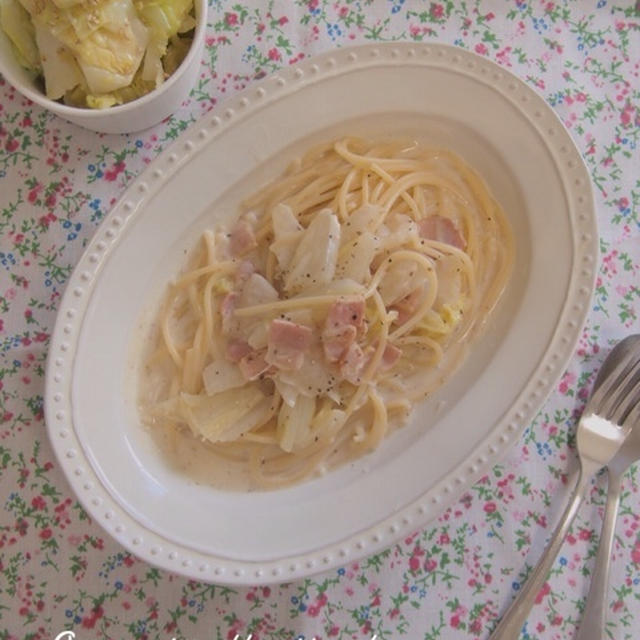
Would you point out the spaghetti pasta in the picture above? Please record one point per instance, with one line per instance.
(343, 293)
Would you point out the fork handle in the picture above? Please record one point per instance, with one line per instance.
(511, 624)
(593, 620)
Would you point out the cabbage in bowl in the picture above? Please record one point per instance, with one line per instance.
(99, 53)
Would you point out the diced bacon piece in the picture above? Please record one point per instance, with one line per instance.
(335, 343)
(236, 350)
(244, 271)
(441, 229)
(253, 365)
(287, 334)
(353, 364)
(407, 306)
(344, 313)
(344, 321)
(241, 239)
(402, 316)
(227, 310)
(390, 356)
(287, 343)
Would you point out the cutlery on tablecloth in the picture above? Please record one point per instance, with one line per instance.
(602, 430)
(594, 618)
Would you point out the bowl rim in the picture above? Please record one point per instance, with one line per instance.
(64, 110)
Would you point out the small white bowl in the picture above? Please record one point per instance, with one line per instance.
(125, 118)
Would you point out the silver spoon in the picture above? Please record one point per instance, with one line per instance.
(593, 620)
(601, 432)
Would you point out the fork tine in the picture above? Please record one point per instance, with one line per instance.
(613, 388)
(632, 408)
(608, 383)
(626, 395)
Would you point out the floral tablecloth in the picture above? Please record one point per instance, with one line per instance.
(59, 571)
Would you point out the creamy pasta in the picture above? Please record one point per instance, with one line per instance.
(344, 292)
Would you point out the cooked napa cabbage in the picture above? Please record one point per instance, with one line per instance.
(177, 50)
(316, 253)
(101, 53)
(80, 96)
(58, 64)
(66, 4)
(294, 423)
(16, 23)
(164, 19)
(221, 417)
(356, 257)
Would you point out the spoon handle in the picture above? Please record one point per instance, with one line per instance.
(593, 620)
(510, 626)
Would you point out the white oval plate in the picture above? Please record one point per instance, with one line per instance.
(438, 93)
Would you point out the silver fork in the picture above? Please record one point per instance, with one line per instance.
(592, 625)
(601, 431)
